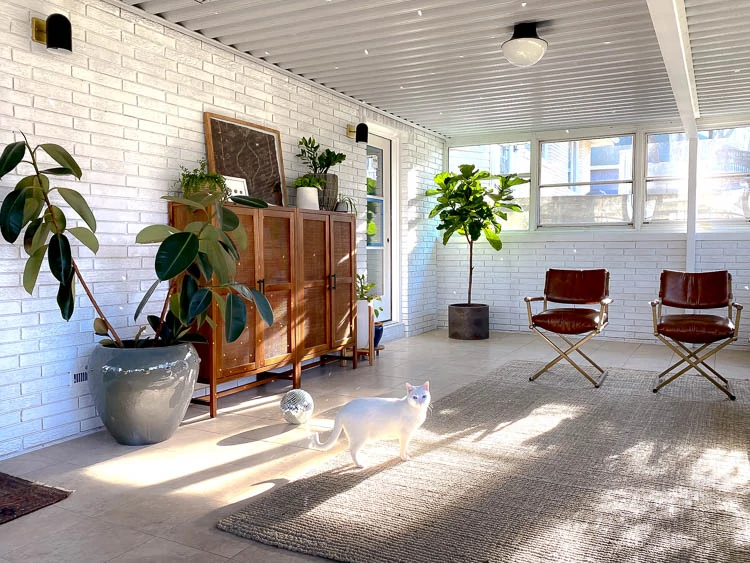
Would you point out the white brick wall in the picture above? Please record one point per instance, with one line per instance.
(128, 103)
(635, 260)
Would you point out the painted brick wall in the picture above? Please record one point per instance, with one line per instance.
(128, 103)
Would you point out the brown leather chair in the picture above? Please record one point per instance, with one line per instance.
(572, 287)
(710, 332)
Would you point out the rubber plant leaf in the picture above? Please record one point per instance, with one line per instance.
(145, 299)
(235, 317)
(31, 270)
(28, 236)
(63, 158)
(248, 201)
(154, 233)
(66, 298)
(60, 259)
(263, 306)
(86, 237)
(12, 155)
(79, 205)
(12, 214)
(199, 302)
(175, 254)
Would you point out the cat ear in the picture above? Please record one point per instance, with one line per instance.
(409, 387)
(426, 385)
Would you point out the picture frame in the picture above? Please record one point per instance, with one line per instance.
(236, 186)
(244, 151)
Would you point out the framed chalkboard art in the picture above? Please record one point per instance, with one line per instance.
(240, 149)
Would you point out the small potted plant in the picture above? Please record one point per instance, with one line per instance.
(366, 299)
(468, 206)
(308, 188)
(319, 163)
(346, 204)
(201, 180)
(141, 386)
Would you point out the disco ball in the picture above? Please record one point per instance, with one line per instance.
(297, 406)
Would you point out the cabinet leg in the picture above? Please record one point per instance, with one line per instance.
(297, 375)
(212, 400)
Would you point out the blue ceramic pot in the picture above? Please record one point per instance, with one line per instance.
(142, 394)
(378, 334)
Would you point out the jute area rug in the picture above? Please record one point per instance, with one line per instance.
(552, 470)
(19, 497)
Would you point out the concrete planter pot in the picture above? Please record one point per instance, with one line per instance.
(469, 321)
(142, 394)
(307, 197)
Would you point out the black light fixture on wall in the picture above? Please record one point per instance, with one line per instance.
(56, 32)
(358, 133)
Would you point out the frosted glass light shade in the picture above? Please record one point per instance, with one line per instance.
(524, 51)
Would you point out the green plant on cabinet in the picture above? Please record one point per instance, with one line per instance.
(198, 262)
(316, 161)
(310, 181)
(200, 180)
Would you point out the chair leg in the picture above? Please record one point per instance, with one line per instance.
(696, 362)
(565, 354)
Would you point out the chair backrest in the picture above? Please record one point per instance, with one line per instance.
(696, 290)
(576, 286)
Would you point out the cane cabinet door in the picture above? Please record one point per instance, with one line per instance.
(343, 270)
(242, 354)
(276, 281)
(315, 283)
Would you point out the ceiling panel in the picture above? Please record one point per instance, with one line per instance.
(438, 63)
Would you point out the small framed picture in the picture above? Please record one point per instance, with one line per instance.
(237, 186)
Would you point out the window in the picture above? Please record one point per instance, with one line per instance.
(507, 158)
(586, 181)
(666, 177)
(723, 180)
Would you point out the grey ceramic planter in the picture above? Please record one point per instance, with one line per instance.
(141, 394)
(468, 322)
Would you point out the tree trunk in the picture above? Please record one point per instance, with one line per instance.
(471, 267)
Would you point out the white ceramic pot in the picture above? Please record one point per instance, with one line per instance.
(307, 197)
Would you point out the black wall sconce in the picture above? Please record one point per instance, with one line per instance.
(55, 32)
(358, 133)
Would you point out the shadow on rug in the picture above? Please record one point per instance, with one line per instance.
(19, 497)
(510, 470)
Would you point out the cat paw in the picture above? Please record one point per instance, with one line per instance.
(405, 457)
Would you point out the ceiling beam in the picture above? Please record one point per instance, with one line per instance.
(670, 23)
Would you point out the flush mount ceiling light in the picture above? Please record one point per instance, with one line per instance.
(524, 48)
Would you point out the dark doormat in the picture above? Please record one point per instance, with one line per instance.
(19, 497)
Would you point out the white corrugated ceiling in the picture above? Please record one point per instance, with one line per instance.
(438, 63)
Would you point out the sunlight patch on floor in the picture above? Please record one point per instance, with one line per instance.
(726, 469)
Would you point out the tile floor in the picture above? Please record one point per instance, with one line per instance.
(161, 502)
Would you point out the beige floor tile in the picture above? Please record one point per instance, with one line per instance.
(161, 550)
(162, 502)
(91, 541)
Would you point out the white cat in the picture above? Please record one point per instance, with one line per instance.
(375, 418)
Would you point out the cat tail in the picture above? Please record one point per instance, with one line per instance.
(332, 437)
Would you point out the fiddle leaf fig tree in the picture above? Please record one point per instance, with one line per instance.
(198, 262)
(468, 207)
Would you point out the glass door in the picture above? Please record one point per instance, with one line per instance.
(379, 221)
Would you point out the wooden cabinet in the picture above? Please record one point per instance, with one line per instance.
(312, 296)
(327, 268)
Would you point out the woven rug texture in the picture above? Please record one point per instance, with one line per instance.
(19, 497)
(509, 470)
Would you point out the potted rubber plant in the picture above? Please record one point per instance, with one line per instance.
(319, 164)
(468, 205)
(141, 386)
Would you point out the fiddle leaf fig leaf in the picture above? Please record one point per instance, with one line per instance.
(63, 158)
(12, 155)
(79, 205)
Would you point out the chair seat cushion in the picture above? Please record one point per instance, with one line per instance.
(565, 320)
(696, 329)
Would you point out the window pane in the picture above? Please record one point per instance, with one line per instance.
(666, 177)
(374, 222)
(666, 200)
(570, 162)
(374, 171)
(507, 158)
(723, 174)
(561, 205)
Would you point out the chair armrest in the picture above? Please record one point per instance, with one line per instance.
(654, 302)
(528, 307)
(530, 299)
(737, 306)
(655, 313)
(606, 301)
